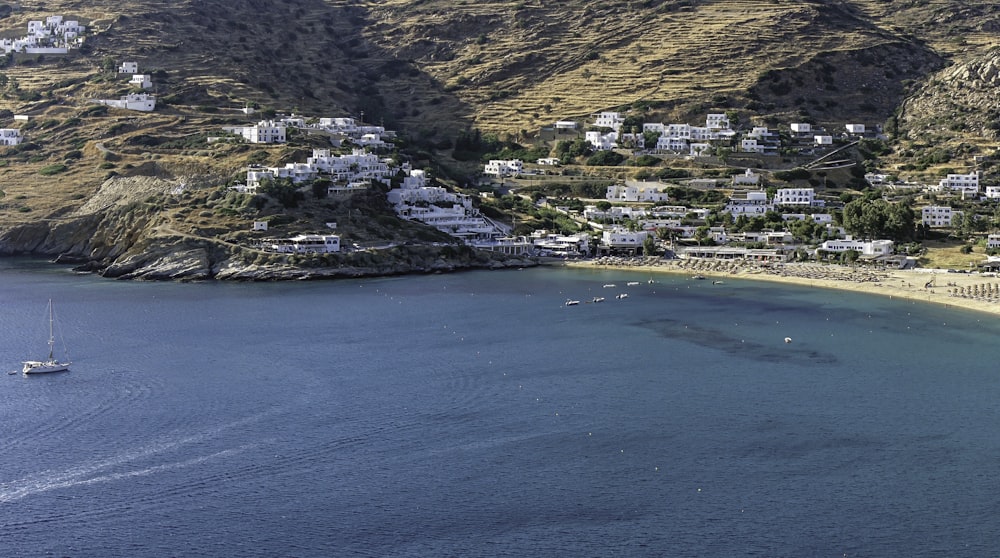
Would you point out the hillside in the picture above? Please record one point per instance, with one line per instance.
(432, 68)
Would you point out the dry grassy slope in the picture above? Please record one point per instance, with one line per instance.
(523, 64)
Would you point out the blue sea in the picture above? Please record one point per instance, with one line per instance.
(474, 414)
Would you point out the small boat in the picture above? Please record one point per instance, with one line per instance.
(598, 299)
(621, 296)
(610, 286)
(698, 277)
(572, 302)
(50, 364)
(788, 339)
(632, 283)
(717, 283)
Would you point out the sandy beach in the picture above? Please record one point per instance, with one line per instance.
(970, 291)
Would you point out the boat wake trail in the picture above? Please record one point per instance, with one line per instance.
(103, 471)
(10, 492)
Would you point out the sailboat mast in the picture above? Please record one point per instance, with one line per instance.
(52, 338)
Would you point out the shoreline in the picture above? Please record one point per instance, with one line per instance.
(966, 291)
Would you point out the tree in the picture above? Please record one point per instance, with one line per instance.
(603, 205)
(605, 159)
(649, 246)
(701, 234)
(650, 138)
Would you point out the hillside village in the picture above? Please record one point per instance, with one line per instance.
(760, 212)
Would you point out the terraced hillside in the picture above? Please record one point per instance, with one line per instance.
(431, 67)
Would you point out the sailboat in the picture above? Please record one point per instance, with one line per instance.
(50, 364)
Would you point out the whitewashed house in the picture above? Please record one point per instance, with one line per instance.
(265, 131)
(751, 203)
(795, 196)
(867, 248)
(621, 238)
(820, 218)
(602, 142)
(133, 101)
(551, 244)
(128, 68)
(304, 244)
(701, 150)
(801, 128)
(501, 167)
(566, 125)
(717, 121)
(855, 129)
(638, 192)
(672, 144)
(750, 145)
(992, 192)
(993, 241)
(144, 81)
(964, 183)
(748, 178)
(448, 212)
(937, 215)
(822, 140)
(10, 136)
(609, 119)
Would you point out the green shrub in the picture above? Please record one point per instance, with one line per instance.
(50, 170)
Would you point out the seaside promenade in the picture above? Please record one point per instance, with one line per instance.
(970, 291)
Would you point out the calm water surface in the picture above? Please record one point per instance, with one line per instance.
(476, 415)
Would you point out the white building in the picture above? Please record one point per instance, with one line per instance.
(748, 178)
(751, 203)
(133, 101)
(820, 218)
(500, 167)
(546, 243)
(795, 196)
(548, 161)
(868, 248)
(144, 81)
(565, 125)
(717, 122)
(801, 128)
(701, 150)
(621, 238)
(993, 192)
(304, 244)
(10, 136)
(358, 167)
(52, 36)
(750, 145)
(265, 131)
(611, 120)
(823, 140)
(964, 183)
(993, 241)
(128, 68)
(855, 129)
(602, 142)
(937, 215)
(638, 192)
(448, 212)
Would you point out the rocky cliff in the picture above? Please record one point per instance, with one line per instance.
(126, 231)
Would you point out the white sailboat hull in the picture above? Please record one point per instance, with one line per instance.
(45, 367)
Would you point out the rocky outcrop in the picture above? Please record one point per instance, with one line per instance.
(127, 242)
(960, 101)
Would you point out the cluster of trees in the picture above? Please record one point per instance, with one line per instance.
(877, 218)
